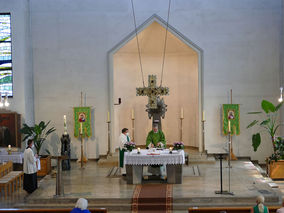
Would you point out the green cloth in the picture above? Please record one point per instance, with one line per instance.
(255, 209)
(155, 138)
(121, 157)
(128, 139)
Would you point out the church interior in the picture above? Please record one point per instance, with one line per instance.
(141, 106)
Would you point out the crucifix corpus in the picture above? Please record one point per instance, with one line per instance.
(156, 107)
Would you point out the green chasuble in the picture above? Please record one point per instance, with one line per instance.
(255, 209)
(155, 138)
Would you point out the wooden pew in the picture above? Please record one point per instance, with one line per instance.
(9, 180)
(240, 209)
(6, 168)
(98, 210)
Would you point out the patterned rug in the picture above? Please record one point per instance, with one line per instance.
(156, 198)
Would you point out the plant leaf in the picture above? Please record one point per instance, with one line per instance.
(278, 106)
(268, 106)
(254, 112)
(265, 122)
(256, 140)
(252, 124)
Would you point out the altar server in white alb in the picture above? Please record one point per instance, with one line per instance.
(30, 168)
(123, 138)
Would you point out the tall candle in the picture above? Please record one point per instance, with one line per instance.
(203, 116)
(132, 114)
(81, 128)
(65, 123)
(229, 126)
(108, 117)
(181, 113)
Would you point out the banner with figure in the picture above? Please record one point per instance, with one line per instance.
(82, 115)
(231, 113)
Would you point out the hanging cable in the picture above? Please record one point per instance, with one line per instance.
(138, 47)
(165, 43)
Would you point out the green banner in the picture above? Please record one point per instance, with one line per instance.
(231, 113)
(82, 115)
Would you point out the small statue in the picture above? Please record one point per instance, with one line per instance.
(65, 150)
(157, 113)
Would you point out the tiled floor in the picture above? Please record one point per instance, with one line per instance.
(115, 194)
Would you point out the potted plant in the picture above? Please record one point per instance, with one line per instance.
(178, 145)
(269, 125)
(129, 146)
(39, 133)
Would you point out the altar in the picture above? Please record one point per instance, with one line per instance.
(135, 161)
(15, 157)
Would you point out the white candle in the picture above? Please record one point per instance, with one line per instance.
(229, 126)
(65, 123)
(203, 116)
(132, 114)
(171, 148)
(81, 128)
(108, 117)
(138, 149)
(9, 147)
(181, 113)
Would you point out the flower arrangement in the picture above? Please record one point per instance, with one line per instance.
(129, 146)
(178, 145)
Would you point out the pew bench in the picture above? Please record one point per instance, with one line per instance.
(228, 209)
(11, 181)
(6, 168)
(92, 210)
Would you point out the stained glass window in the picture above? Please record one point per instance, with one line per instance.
(6, 74)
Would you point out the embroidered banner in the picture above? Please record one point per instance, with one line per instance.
(231, 113)
(82, 115)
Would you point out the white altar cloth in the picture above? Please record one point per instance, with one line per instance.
(15, 157)
(157, 157)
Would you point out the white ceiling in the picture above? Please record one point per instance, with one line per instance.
(151, 40)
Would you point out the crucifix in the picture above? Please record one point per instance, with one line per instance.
(156, 107)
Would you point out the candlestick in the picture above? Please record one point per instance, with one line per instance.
(171, 149)
(132, 114)
(181, 113)
(81, 128)
(138, 150)
(108, 117)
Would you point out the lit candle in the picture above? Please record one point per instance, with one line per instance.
(108, 117)
(138, 150)
(132, 114)
(203, 116)
(181, 113)
(81, 128)
(171, 149)
(65, 123)
(9, 147)
(229, 126)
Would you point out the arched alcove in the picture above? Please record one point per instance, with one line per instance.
(182, 74)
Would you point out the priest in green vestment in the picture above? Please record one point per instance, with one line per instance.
(155, 138)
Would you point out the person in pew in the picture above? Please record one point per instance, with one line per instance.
(281, 210)
(30, 168)
(81, 206)
(260, 207)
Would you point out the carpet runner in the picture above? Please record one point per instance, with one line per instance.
(156, 198)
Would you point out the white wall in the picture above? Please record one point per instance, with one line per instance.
(70, 40)
(22, 101)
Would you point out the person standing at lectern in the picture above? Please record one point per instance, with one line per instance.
(30, 168)
(123, 138)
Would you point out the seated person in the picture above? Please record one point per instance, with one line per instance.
(155, 138)
(81, 206)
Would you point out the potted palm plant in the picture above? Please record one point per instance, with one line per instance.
(39, 133)
(269, 124)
